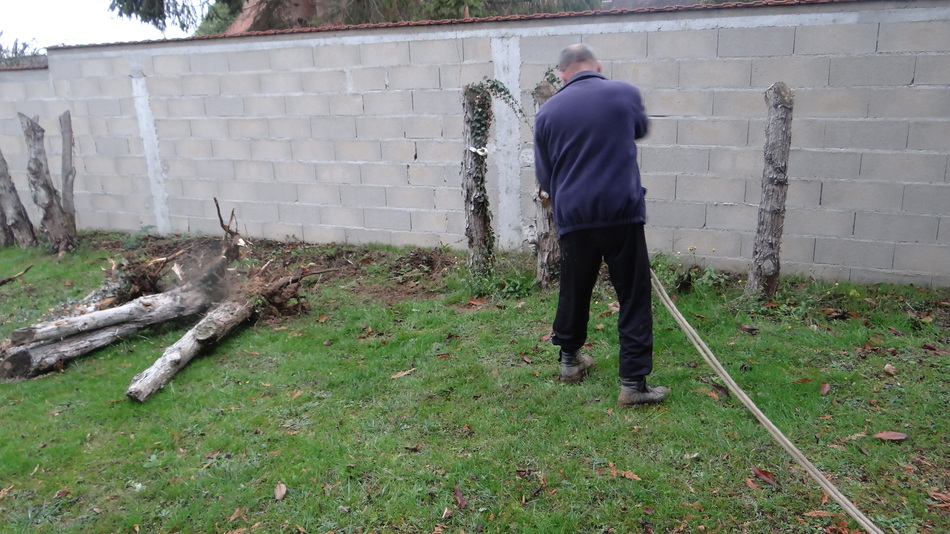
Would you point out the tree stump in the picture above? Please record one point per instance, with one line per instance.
(58, 226)
(16, 223)
(547, 247)
(477, 119)
(766, 266)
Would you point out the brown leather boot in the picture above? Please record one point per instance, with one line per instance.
(634, 391)
(574, 366)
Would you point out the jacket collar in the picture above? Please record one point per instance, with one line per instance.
(582, 75)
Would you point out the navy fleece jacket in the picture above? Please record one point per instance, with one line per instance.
(585, 156)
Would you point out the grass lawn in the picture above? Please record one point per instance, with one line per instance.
(414, 398)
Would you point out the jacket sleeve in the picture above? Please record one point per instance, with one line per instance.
(642, 125)
(542, 160)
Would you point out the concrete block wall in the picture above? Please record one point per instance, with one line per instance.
(356, 135)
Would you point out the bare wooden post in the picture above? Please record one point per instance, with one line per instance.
(15, 220)
(764, 274)
(55, 223)
(68, 171)
(476, 106)
(547, 247)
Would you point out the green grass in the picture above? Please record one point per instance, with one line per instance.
(479, 437)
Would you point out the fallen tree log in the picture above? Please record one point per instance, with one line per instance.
(218, 323)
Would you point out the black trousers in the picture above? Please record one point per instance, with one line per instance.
(624, 250)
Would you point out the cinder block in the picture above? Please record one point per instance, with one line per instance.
(121, 185)
(131, 168)
(879, 276)
(245, 128)
(676, 102)
(193, 148)
(276, 192)
(387, 103)
(801, 193)
(222, 170)
(746, 164)
(435, 52)
(336, 56)
(909, 102)
(819, 222)
(369, 79)
(611, 47)
(186, 207)
(912, 257)
(756, 42)
(740, 103)
(360, 236)
(662, 213)
(264, 106)
(674, 159)
(682, 44)
(872, 70)
(415, 238)
(454, 226)
(130, 221)
(324, 81)
(904, 166)
(278, 83)
(271, 149)
(224, 106)
(363, 196)
(710, 73)
(319, 194)
(280, 231)
(324, 234)
(933, 69)
(104, 108)
(449, 199)
(796, 249)
(111, 87)
(170, 65)
(927, 199)
(338, 173)
(874, 196)
(398, 151)
(854, 253)
(793, 71)
(254, 171)
(357, 150)
(259, 212)
(832, 102)
(198, 63)
(311, 104)
(659, 240)
(943, 233)
(713, 132)
(312, 149)
(297, 213)
(84, 87)
(476, 49)
(387, 219)
(345, 104)
(295, 172)
(804, 163)
(737, 217)
(662, 131)
(112, 146)
(294, 57)
(436, 102)
(289, 128)
(414, 77)
(806, 133)
(900, 227)
(389, 174)
(383, 54)
(426, 175)
(704, 188)
(928, 135)
(647, 74)
(249, 61)
(242, 84)
(836, 39)
(415, 198)
(928, 36)
(439, 151)
(200, 85)
(659, 187)
(545, 49)
(864, 134)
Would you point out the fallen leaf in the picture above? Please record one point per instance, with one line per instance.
(748, 329)
(546, 337)
(803, 380)
(526, 359)
(896, 332)
(614, 307)
(401, 374)
(712, 394)
(891, 435)
(722, 389)
(751, 483)
(237, 513)
(765, 476)
(322, 319)
(477, 302)
(279, 491)
(825, 388)
(459, 498)
(817, 513)
(890, 369)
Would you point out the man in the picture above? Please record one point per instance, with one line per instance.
(586, 161)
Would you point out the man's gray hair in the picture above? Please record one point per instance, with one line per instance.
(576, 53)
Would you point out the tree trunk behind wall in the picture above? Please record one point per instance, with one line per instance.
(766, 267)
(476, 107)
(547, 247)
(56, 223)
(16, 222)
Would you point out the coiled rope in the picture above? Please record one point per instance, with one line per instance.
(710, 358)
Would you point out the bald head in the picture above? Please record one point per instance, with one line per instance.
(576, 58)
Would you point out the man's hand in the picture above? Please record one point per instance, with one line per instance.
(545, 198)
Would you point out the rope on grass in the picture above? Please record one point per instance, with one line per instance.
(710, 358)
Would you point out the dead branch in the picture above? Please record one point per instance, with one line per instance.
(5, 281)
